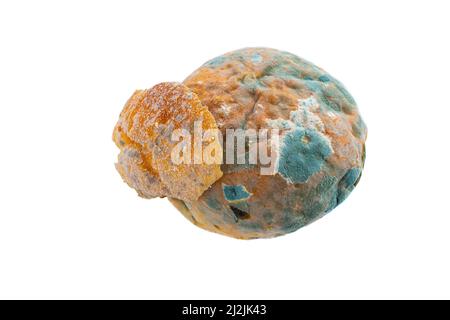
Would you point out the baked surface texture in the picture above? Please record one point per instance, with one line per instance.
(317, 159)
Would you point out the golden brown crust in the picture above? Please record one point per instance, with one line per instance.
(144, 136)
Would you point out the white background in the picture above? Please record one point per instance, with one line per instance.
(69, 226)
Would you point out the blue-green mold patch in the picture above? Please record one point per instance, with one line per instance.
(215, 62)
(213, 203)
(351, 177)
(324, 78)
(347, 184)
(235, 193)
(256, 58)
(302, 154)
(314, 86)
